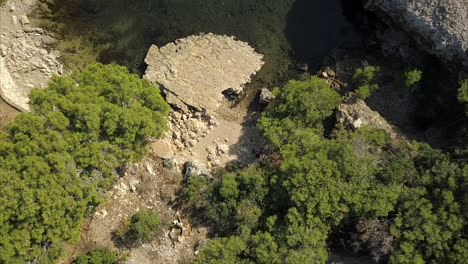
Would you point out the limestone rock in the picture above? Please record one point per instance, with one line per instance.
(24, 63)
(196, 168)
(162, 148)
(441, 26)
(354, 113)
(24, 20)
(266, 96)
(194, 71)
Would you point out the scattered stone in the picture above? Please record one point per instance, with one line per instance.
(101, 214)
(222, 149)
(133, 185)
(33, 30)
(266, 96)
(329, 72)
(14, 20)
(200, 243)
(196, 168)
(162, 148)
(24, 20)
(149, 169)
(215, 163)
(169, 163)
(211, 150)
(3, 50)
(354, 113)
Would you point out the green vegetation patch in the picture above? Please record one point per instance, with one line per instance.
(403, 201)
(97, 256)
(143, 225)
(56, 161)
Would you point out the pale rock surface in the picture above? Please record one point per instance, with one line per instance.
(266, 96)
(354, 113)
(441, 26)
(25, 63)
(196, 168)
(194, 71)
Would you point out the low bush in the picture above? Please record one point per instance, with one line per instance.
(97, 256)
(143, 225)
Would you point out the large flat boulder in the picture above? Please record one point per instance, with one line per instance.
(194, 71)
(440, 26)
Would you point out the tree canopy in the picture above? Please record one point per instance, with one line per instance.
(57, 160)
(289, 206)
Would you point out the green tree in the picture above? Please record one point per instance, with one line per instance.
(57, 160)
(412, 77)
(365, 81)
(222, 251)
(299, 104)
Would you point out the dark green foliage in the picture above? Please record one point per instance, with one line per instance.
(462, 95)
(143, 226)
(97, 256)
(194, 187)
(365, 81)
(327, 182)
(235, 196)
(430, 224)
(222, 251)
(298, 105)
(56, 161)
(108, 103)
(412, 77)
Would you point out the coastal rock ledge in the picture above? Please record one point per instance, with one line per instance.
(440, 26)
(193, 72)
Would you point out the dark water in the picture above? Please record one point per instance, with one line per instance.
(285, 31)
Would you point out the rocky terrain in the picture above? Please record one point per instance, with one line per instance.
(25, 60)
(144, 185)
(439, 26)
(194, 71)
(354, 113)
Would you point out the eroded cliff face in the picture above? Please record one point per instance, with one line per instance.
(439, 26)
(25, 60)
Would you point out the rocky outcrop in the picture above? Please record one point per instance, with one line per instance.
(25, 62)
(354, 113)
(439, 26)
(196, 168)
(266, 96)
(194, 71)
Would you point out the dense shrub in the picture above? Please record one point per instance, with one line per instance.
(57, 160)
(143, 225)
(404, 200)
(97, 256)
(298, 105)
